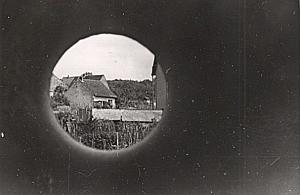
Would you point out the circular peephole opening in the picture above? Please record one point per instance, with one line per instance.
(108, 92)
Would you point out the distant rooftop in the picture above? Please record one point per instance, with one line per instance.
(88, 75)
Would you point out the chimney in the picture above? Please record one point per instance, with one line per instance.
(81, 78)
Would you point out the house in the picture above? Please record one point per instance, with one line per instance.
(54, 82)
(160, 86)
(90, 92)
(68, 80)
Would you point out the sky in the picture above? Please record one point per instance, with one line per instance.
(115, 56)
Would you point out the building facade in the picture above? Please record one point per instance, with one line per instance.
(160, 87)
(84, 92)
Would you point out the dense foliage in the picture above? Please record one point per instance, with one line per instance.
(105, 134)
(131, 93)
(58, 98)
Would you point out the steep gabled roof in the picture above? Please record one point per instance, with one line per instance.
(68, 80)
(97, 88)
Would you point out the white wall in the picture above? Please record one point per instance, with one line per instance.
(127, 115)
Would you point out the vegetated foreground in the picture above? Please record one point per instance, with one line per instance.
(105, 134)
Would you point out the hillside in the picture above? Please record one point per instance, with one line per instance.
(132, 94)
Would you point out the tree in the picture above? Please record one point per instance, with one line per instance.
(131, 92)
(58, 98)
